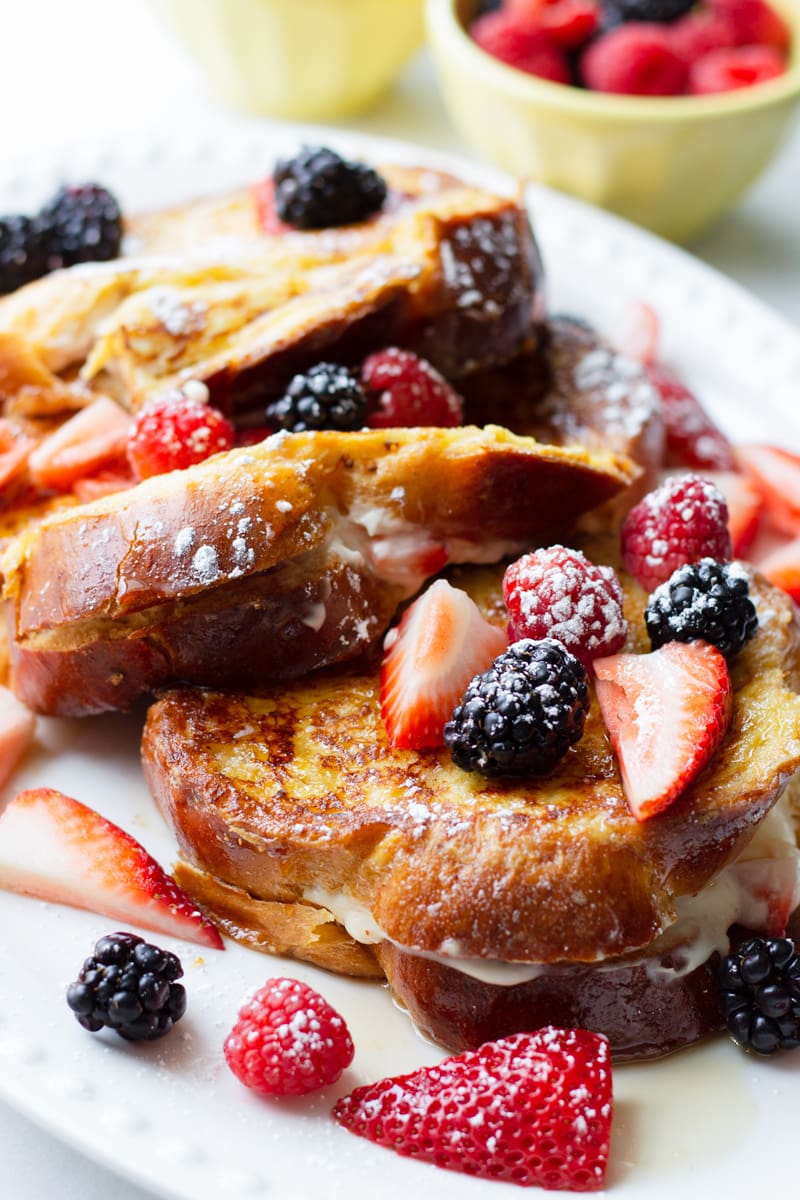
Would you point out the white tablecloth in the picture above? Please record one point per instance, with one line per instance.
(103, 70)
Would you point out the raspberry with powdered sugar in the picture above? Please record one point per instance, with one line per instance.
(558, 593)
(287, 1040)
(682, 521)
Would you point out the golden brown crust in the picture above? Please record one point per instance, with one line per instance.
(299, 789)
(446, 269)
(271, 561)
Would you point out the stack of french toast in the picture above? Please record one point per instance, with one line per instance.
(251, 594)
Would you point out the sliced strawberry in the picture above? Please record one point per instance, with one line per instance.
(263, 195)
(96, 436)
(57, 849)
(782, 568)
(534, 1109)
(429, 658)
(666, 713)
(17, 724)
(104, 483)
(769, 893)
(15, 450)
(643, 334)
(693, 440)
(745, 508)
(776, 475)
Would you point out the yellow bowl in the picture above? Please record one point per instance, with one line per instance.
(671, 164)
(299, 59)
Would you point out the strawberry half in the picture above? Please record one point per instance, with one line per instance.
(775, 474)
(745, 508)
(429, 658)
(57, 849)
(533, 1109)
(666, 714)
(782, 568)
(90, 440)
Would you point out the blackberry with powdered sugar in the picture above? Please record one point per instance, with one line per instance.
(708, 601)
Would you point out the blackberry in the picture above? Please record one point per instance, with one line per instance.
(706, 600)
(129, 986)
(661, 11)
(83, 224)
(521, 715)
(318, 189)
(23, 254)
(327, 396)
(759, 991)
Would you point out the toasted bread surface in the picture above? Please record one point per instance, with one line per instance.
(268, 562)
(298, 789)
(446, 269)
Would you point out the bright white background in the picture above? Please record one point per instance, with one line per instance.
(104, 71)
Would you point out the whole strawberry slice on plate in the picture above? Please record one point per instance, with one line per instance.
(533, 1109)
(429, 658)
(57, 849)
(776, 475)
(666, 714)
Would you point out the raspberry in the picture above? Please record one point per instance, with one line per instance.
(754, 22)
(288, 1041)
(740, 67)
(531, 1109)
(558, 593)
(406, 390)
(174, 432)
(693, 440)
(684, 520)
(567, 23)
(515, 43)
(635, 59)
(699, 32)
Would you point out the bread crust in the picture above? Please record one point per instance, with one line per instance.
(268, 562)
(287, 792)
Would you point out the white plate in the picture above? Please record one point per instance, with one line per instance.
(170, 1115)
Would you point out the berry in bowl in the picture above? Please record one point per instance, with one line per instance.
(663, 111)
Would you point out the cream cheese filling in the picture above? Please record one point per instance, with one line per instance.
(765, 876)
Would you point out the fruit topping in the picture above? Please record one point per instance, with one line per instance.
(82, 223)
(17, 726)
(533, 1109)
(317, 189)
(405, 390)
(683, 520)
(94, 438)
(327, 396)
(707, 601)
(522, 714)
(782, 568)
(776, 475)
(288, 1041)
(745, 507)
(128, 985)
(759, 988)
(692, 438)
(429, 658)
(558, 593)
(567, 23)
(753, 23)
(635, 59)
(740, 67)
(175, 431)
(23, 252)
(666, 714)
(57, 849)
(508, 38)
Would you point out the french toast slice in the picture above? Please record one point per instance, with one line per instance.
(445, 269)
(267, 562)
(295, 798)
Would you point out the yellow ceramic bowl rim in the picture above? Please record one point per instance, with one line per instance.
(446, 29)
